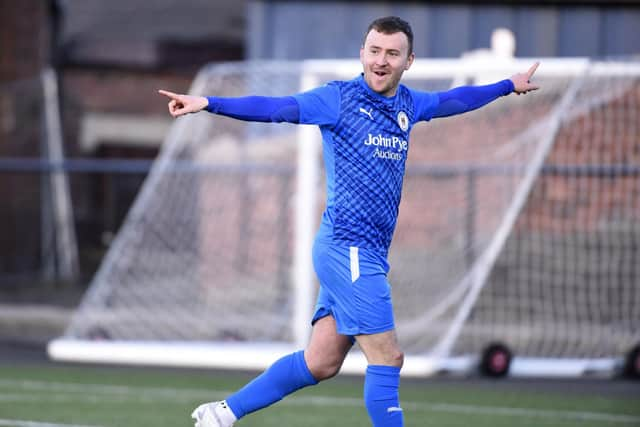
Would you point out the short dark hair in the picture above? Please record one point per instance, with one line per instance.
(391, 25)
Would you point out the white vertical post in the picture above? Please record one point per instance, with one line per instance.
(66, 244)
(305, 221)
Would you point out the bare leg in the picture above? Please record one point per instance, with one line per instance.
(326, 350)
(381, 349)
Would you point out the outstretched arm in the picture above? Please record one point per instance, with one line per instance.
(249, 108)
(466, 98)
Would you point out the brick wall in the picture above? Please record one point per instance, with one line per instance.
(24, 50)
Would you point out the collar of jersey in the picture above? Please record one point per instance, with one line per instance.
(388, 102)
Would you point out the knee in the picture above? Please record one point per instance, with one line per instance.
(394, 358)
(324, 369)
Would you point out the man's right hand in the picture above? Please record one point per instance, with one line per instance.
(184, 104)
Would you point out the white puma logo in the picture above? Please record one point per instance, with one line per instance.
(394, 409)
(368, 113)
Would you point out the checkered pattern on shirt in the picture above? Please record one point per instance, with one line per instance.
(367, 189)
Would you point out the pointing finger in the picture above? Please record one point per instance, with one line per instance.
(169, 94)
(533, 69)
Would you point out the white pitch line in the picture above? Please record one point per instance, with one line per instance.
(26, 423)
(126, 393)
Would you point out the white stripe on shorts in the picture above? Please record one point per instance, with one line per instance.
(355, 263)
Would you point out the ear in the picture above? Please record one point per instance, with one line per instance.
(410, 61)
(362, 54)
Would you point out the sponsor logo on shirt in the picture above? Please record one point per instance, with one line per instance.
(387, 147)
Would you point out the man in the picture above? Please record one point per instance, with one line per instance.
(365, 124)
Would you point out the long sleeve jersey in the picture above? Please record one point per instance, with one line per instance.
(365, 146)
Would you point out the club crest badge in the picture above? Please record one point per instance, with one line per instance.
(403, 121)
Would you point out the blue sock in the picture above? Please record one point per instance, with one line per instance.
(381, 396)
(285, 376)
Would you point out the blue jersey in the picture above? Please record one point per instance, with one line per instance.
(366, 142)
(365, 147)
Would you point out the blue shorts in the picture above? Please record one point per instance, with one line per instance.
(353, 289)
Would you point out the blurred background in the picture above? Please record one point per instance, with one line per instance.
(78, 81)
(106, 61)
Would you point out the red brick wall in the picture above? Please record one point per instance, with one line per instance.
(24, 38)
(24, 50)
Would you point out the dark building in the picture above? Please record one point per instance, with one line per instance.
(279, 29)
(26, 36)
(109, 60)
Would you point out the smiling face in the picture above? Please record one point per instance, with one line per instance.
(385, 57)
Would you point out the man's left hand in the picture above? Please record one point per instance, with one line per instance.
(522, 81)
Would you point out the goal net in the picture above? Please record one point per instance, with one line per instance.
(519, 223)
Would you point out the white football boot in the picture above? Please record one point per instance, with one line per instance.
(213, 414)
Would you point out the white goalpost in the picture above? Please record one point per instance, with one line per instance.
(518, 225)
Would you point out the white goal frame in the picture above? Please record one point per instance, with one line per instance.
(254, 356)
